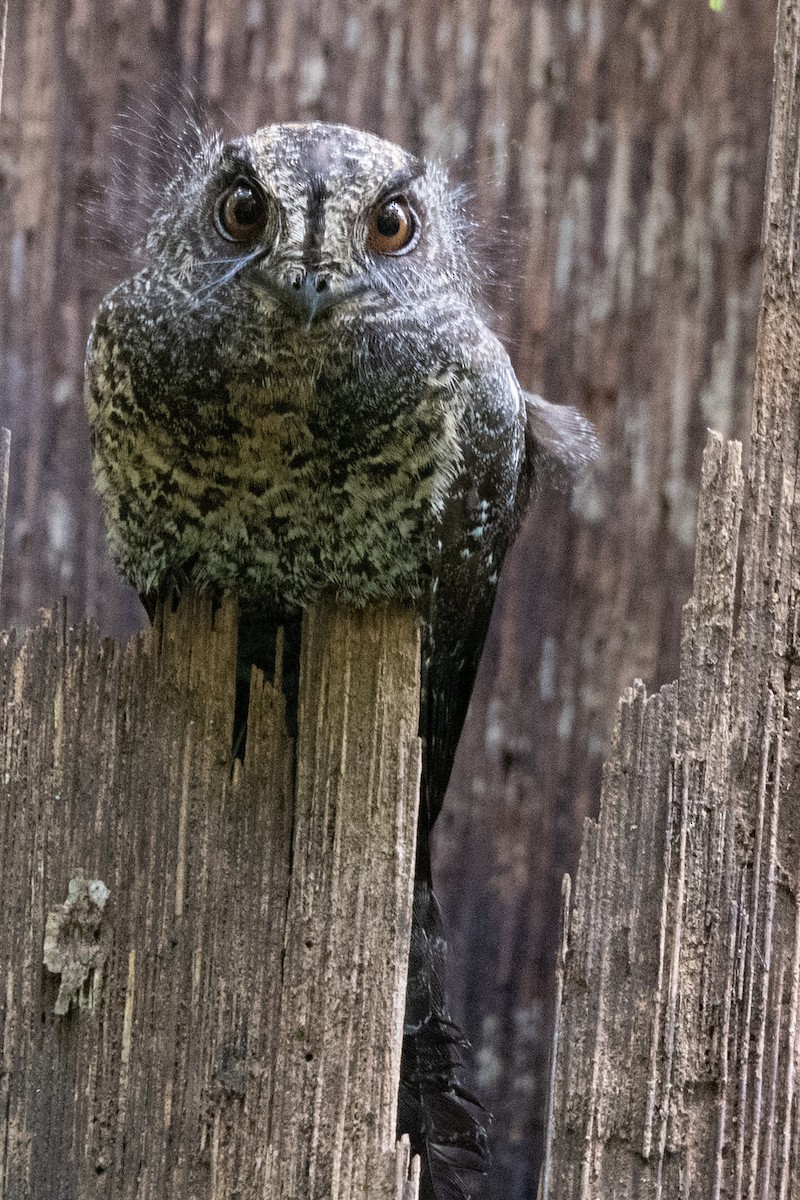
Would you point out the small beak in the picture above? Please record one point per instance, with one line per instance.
(308, 292)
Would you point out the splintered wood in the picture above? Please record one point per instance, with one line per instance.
(205, 961)
(676, 1045)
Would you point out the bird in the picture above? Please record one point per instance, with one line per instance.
(298, 395)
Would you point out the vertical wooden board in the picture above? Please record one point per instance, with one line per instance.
(724, 1002)
(647, 960)
(117, 763)
(238, 1029)
(349, 912)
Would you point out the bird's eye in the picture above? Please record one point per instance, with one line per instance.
(393, 227)
(240, 213)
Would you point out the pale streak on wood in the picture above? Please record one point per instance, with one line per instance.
(766, 1173)
(789, 1117)
(652, 1086)
(3, 35)
(765, 959)
(673, 987)
(752, 947)
(719, 763)
(722, 1104)
(5, 435)
(127, 1035)
(566, 895)
(180, 864)
(594, 1089)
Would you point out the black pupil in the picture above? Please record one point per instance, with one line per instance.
(389, 221)
(243, 207)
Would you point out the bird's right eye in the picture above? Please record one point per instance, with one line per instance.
(240, 214)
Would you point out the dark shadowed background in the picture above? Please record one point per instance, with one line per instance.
(615, 153)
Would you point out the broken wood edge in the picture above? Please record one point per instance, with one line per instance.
(685, 923)
(117, 762)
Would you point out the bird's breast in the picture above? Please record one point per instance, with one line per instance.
(296, 486)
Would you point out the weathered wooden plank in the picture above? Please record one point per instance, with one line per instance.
(349, 908)
(675, 1057)
(615, 154)
(233, 974)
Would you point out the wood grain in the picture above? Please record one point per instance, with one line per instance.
(205, 961)
(676, 1044)
(615, 154)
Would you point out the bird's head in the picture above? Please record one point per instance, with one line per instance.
(316, 216)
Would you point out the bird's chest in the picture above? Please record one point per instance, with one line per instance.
(304, 484)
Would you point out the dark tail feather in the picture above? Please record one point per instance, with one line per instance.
(562, 444)
(445, 1122)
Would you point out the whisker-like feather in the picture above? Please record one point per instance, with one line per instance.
(210, 289)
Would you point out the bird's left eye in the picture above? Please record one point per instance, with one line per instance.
(240, 213)
(393, 227)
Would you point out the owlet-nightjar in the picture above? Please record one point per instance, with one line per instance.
(298, 396)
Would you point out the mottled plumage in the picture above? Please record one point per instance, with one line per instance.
(297, 395)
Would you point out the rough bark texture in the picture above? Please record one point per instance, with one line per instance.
(676, 1046)
(205, 967)
(616, 154)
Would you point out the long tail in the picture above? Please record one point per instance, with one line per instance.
(445, 1122)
